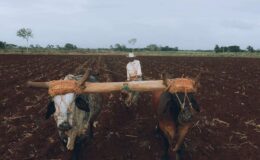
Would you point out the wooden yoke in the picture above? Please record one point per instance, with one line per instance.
(66, 86)
(38, 84)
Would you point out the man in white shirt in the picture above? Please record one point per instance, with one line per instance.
(134, 73)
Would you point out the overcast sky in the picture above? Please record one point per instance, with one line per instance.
(188, 24)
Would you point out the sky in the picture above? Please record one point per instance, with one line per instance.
(187, 24)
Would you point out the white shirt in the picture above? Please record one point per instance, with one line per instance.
(133, 69)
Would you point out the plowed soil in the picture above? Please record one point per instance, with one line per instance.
(228, 126)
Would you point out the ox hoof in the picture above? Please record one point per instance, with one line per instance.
(180, 153)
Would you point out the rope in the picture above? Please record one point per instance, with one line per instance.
(181, 104)
(184, 100)
(59, 87)
(125, 87)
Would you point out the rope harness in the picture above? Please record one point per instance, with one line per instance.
(182, 85)
(59, 87)
(185, 114)
(126, 87)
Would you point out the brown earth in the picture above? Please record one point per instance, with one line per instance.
(228, 126)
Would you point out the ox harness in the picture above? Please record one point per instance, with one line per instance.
(81, 100)
(185, 114)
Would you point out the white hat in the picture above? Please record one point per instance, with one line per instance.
(131, 55)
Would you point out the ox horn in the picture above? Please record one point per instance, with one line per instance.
(82, 81)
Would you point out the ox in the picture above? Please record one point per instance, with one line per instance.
(74, 115)
(175, 113)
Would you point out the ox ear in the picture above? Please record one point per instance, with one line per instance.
(50, 110)
(82, 103)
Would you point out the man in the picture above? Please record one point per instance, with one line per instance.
(134, 73)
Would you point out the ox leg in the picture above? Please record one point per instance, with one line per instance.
(167, 134)
(90, 132)
(160, 135)
(182, 131)
(157, 131)
(180, 153)
(168, 129)
(77, 148)
(166, 146)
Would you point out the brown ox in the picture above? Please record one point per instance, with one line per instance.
(175, 113)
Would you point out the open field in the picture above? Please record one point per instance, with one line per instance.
(228, 126)
(139, 53)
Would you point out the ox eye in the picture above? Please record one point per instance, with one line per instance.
(82, 103)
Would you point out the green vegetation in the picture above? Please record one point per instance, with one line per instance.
(250, 49)
(70, 46)
(121, 49)
(200, 54)
(61, 50)
(234, 48)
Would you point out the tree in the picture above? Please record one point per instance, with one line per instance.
(223, 49)
(119, 47)
(132, 42)
(2, 45)
(234, 49)
(167, 48)
(58, 47)
(175, 49)
(70, 46)
(38, 46)
(152, 47)
(250, 49)
(50, 46)
(217, 49)
(10, 46)
(25, 33)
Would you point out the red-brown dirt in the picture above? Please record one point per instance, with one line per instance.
(228, 126)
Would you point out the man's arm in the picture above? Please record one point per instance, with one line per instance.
(139, 70)
(127, 73)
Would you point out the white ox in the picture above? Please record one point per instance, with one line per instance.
(74, 116)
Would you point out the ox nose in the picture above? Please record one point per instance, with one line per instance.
(65, 126)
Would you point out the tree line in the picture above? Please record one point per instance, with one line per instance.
(151, 47)
(67, 46)
(233, 48)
